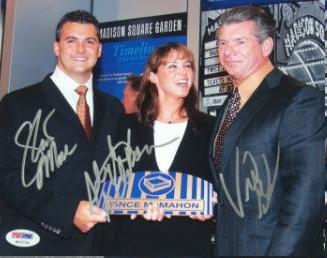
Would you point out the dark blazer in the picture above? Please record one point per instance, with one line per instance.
(272, 172)
(178, 235)
(48, 211)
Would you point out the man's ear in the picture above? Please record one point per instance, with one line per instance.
(267, 46)
(100, 50)
(153, 78)
(56, 48)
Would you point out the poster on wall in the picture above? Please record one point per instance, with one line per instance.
(127, 44)
(299, 45)
(301, 41)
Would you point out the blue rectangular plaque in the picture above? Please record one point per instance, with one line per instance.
(178, 194)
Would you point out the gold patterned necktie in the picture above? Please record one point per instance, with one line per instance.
(83, 111)
(232, 110)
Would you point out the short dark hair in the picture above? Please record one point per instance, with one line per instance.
(135, 81)
(264, 21)
(79, 16)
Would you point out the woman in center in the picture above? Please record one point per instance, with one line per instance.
(167, 110)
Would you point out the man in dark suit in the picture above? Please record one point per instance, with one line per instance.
(267, 148)
(50, 133)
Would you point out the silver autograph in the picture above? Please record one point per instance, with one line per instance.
(45, 154)
(252, 183)
(115, 168)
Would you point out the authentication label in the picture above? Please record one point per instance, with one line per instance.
(22, 238)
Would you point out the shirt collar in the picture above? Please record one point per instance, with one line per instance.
(66, 84)
(251, 83)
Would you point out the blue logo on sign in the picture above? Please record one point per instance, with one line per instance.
(156, 184)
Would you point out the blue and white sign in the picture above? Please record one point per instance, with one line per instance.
(178, 194)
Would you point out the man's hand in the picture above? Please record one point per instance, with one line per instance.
(87, 215)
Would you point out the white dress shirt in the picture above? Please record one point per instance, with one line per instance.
(67, 87)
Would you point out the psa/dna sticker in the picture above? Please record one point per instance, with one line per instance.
(22, 238)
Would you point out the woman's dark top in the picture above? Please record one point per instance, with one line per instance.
(177, 235)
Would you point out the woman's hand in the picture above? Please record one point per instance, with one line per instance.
(206, 217)
(201, 217)
(153, 213)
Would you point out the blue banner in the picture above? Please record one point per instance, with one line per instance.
(127, 44)
(219, 4)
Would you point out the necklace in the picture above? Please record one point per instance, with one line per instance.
(175, 116)
(172, 119)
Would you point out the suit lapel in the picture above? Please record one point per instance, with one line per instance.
(99, 107)
(259, 98)
(219, 117)
(57, 101)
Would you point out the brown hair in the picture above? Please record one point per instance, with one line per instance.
(135, 81)
(147, 101)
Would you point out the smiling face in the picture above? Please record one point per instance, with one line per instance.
(240, 51)
(174, 76)
(77, 50)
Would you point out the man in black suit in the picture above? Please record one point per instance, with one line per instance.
(49, 135)
(267, 150)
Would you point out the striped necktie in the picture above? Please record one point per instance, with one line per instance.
(83, 111)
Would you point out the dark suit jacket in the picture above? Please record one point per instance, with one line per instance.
(178, 235)
(277, 199)
(48, 211)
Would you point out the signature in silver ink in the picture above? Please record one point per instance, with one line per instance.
(253, 183)
(45, 154)
(115, 168)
